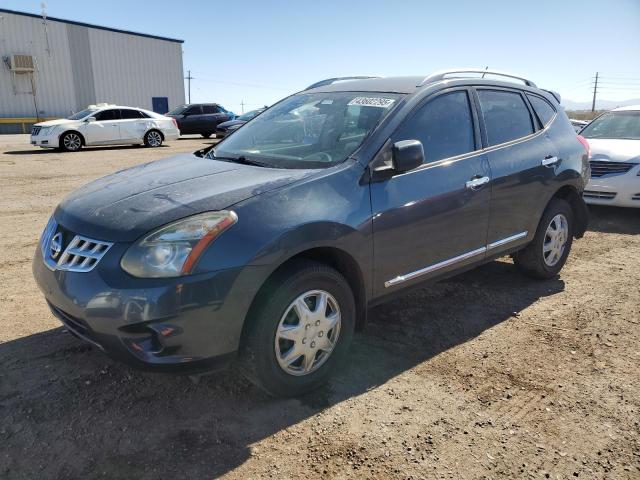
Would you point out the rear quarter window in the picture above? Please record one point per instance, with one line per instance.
(506, 116)
(543, 109)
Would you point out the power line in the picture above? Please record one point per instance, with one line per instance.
(622, 78)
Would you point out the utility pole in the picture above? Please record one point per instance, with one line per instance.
(242, 105)
(595, 89)
(188, 78)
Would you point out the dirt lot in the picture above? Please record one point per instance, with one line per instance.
(488, 375)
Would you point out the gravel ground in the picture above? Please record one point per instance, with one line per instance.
(486, 375)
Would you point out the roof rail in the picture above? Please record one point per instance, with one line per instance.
(329, 81)
(442, 74)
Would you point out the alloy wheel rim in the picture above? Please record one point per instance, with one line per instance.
(307, 332)
(154, 139)
(72, 141)
(555, 240)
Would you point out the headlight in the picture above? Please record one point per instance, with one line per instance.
(173, 250)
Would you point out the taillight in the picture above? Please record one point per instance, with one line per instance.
(585, 144)
(175, 124)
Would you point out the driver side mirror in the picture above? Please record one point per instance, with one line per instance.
(407, 155)
(90, 119)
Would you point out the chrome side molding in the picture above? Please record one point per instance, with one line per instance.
(423, 271)
(504, 241)
(446, 263)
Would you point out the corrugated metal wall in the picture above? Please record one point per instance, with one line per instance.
(112, 67)
(145, 66)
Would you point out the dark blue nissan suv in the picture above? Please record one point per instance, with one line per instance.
(268, 249)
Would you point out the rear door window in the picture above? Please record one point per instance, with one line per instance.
(128, 114)
(506, 115)
(207, 109)
(543, 109)
(194, 110)
(111, 114)
(444, 125)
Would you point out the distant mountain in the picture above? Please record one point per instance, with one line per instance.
(600, 104)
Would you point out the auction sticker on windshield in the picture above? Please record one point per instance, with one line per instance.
(372, 102)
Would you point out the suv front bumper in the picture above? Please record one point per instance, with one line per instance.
(186, 324)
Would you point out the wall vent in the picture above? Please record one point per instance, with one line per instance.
(22, 64)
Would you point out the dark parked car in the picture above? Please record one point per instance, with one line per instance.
(269, 251)
(202, 118)
(231, 126)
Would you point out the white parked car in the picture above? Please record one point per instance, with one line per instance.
(614, 138)
(578, 124)
(105, 124)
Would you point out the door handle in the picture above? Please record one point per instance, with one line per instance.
(550, 160)
(476, 182)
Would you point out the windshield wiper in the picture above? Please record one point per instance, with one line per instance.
(243, 160)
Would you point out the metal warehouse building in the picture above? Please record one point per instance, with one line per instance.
(51, 68)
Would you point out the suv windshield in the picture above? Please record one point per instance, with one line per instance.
(623, 125)
(82, 114)
(311, 130)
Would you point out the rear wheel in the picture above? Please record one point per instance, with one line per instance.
(300, 330)
(71, 142)
(153, 138)
(545, 256)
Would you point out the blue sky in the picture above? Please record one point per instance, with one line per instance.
(257, 52)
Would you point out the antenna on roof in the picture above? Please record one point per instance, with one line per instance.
(485, 71)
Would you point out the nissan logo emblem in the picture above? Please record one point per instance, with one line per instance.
(55, 246)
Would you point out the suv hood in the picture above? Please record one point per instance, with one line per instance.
(53, 123)
(125, 205)
(614, 150)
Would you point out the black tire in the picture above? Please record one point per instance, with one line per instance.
(206, 135)
(258, 360)
(532, 260)
(153, 139)
(71, 142)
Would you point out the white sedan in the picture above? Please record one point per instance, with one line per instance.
(105, 125)
(614, 138)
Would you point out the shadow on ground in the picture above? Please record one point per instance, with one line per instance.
(88, 417)
(44, 151)
(614, 219)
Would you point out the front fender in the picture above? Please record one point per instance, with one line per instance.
(330, 209)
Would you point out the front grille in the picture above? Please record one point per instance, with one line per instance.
(35, 131)
(601, 195)
(81, 254)
(600, 168)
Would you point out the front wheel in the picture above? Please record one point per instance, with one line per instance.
(545, 256)
(206, 135)
(153, 138)
(71, 142)
(299, 330)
